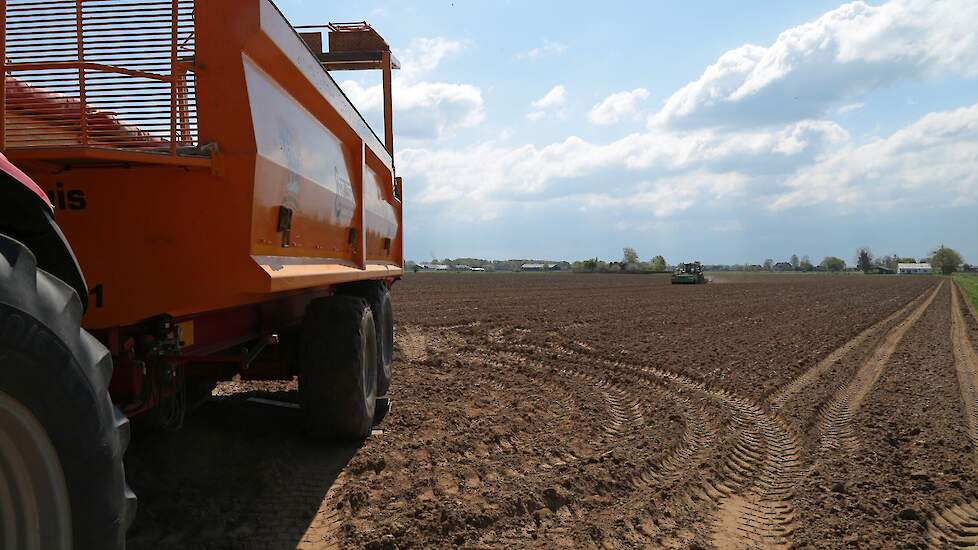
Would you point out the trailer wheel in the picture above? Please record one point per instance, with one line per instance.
(62, 482)
(338, 367)
(379, 300)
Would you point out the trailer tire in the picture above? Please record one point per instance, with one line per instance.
(379, 300)
(337, 368)
(61, 439)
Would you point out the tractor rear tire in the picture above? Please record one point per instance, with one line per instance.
(379, 300)
(338, 368)
(62, 482)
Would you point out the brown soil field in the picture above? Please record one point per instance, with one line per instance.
(564, 410)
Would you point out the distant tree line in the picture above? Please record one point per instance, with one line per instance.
(630, 262)
(946, 260)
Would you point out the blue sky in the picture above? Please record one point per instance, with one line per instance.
(721, 131)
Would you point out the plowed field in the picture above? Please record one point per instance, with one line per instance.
(561, 410)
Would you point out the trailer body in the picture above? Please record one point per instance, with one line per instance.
(209, 173)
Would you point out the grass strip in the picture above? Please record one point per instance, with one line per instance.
(969, 284)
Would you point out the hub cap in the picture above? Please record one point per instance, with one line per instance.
(34, 509)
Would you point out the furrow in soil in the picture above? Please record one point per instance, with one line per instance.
(835, 425)
(781, 397)
(957, 526)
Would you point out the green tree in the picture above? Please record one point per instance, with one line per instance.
(629, 256)
(831, 263)
(589, 265)
(768, 264)
(864, 259)
(945, 259)
(658, 263)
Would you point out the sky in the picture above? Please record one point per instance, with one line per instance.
(727, 132)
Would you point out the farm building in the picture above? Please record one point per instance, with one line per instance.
(783, 266)
(918, 268)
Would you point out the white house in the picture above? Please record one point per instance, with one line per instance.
(918, 268)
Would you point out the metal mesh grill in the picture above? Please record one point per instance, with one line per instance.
(104, 73)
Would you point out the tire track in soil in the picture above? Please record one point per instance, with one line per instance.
(563, 405)
(754, 490)
(780, 398)
(624, 409)
(513, 442)
(966, 364)
(326, 528)
(698, 435)
(835, 419)
(412, 343)
(622, 416)
(957, 526)
(278, 522)
(418, 343)
(753, 494)
(698, 438)
(501, 373)
(695, 447)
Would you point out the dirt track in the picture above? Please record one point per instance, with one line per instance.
(619, 411)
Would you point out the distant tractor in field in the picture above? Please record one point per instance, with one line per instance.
(688, 274)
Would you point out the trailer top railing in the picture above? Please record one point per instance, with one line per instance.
(115, 74)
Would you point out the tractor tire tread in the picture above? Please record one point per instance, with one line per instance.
(88, 431)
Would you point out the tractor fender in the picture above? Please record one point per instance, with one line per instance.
(27, 215)
(18, 175)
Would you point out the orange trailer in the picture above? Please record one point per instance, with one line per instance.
(231, 211)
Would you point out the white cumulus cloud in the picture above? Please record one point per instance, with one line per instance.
(548, 48)
(551, 102)
(556, 97)
(932, 162)
(666, 196)
(848, 51)
(750, 136)
(492, 175)
(424, 109)
(618, 106)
